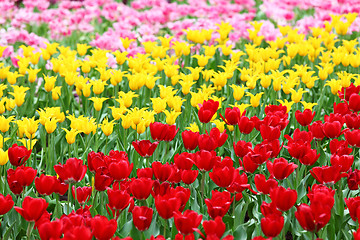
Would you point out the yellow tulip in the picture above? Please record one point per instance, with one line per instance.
(4, 157)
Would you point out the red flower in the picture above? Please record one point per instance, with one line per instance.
(144, 172)
(270, 133)
(249, 163)
(281, 168)
(102, 228)
(213, 140)
(272, 225)
(214, 229)
(232, 115)
(348, 91)
(223, 173)
(242, 148)
(344, 161)
(72, 171)
(6, 203)
(353, 137)
(245, 125)
(20, 177)
(310, 157)
(167, 204)
(189, 176)
(327, 175)
(183, 194)
(184, 160)
(304, 118)
(317, 130)
(102, 181)
(240, 182)
(141, 188)
(339, 147)
(118, 199)
(283, 198)
(120, 170)
(264, 186)
(18, 155)
(205, 160)
(332, 129)
(50, 230)
(95, 161)
(162, 132)
(32, 208)
(145, 148)
(352, 121)
(46, 185)
(353, 179)
(310, 218)
(353, 205)
(187, 222)
(219, 204)
(207, 110)
(142, 217)
(190, 139)
(161, 171)
(82, 194)
(354, 102)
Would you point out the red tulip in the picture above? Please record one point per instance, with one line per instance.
(353, 179)
(187, 222)
(141, 188)
(184, 160)
(245, 125)
(214, 229)
(281, 168)
(332, 129)
(190, 139)
(162, 132)
(232, 115)
(46, 185)
(272, 225)
(144, 172)
(20, 177)
(310, 218)
(166, 205)
(161, 171)
(207, 110)
(352, 121)
(102, 181)
(242, 148)
(352, 137)
(95, 161)
(212, 140)
(145, 148)
(82, 194)
(120, 170)
(327, 174)
(353, 204)
(142, 217)
(6, 203)
(304, 118)
(219, 204)
(118, 200)
(240, 182)
(18, 155)
(316, 128)
(264, 186)
(344, 161)
(72, 171)
(339, 147)
(102, 228)
(223, 173)
(269, 133)
(189, 176)
(50, 230)
(354, 102)
(32, 208)
(205, 160)
(183, 194)
(310, 157)
(283, 198)
(346, 93)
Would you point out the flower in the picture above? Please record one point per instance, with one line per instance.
(186, 223)
(142, 217)
(207, 110)
(144, 147)
(102, 228)
(18, 155)
(72, 171)
(32, 208)
(6, 203)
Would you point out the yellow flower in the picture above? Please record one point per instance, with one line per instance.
(126, 42)
(175, 103)
(2, 49)
(56, 93)
(4, 72)
(171, 70)
(107, 127)
(207, 74)
(5, 123)
(202, 60)
(49, 83)
(195, 72)
(185, 86)
(126, 98)
(32, 74)
(242, 107)
(116, 76)
(126, 121)
(26, 143)
(166, 92)
(4, 157)
(98, 86)
(219, 124)
(19, 94)
(165, 41)
(120, 57)
(286, 103)
(98, 102)
(210, 50)
(158, 104)
(182, 48)
(297, 95)
(12, 77)
(141, 127)
(82, 48)
(50, 125)
(171, 116)
(219, 79)
(193, 127)
(254, 99)
(335, 86)
(71, 135)
(308, 105)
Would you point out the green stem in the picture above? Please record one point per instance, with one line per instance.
(202, 184)
(29, 229)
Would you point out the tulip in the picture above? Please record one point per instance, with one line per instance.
(207, 110)
(142, 217)
(190, 139)
(6, 203)
(145, 148)
(219, 204)
(32, 208)
(304, 118)
(102, 228)
(280, 168)
(141, 188)
(82, 194)
(72, 171)
(187, 222)
(162, 132)
(18, 155)
(161, 171)
(120, 170)
(272, 225)
(50, 230)
(166, 205)
(283, 198)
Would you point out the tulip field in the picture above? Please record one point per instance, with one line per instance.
(156, 119)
